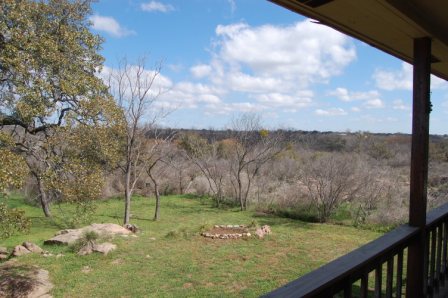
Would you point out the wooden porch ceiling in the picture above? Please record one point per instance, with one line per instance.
(389, 25)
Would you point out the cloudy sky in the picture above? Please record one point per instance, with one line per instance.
(225, 57)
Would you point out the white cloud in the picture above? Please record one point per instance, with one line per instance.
(331, 112)
(109, 25)
(159, 86)
(355, 109)
(346, 95)
(400, 105)
(376, 120)
(230, 108)
(232, 6)
(374, 103)
(370, 98)
(288, 103)
(201, 70)
(302, 52)
(156, 6)
(402, 79)
(190, 95)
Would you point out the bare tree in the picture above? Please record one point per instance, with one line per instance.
(254, 147)
(207, 159)
(330, 180)
(156, 160)
(134, 88)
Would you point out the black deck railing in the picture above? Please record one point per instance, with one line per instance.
(377, 269)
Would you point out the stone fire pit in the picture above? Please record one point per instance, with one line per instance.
(227, 232)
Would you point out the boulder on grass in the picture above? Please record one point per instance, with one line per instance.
(264, 230)
(91, 247)
(86, 249)
(32, 247)
(20, 250)
(3, 253)
(104, 248)
(66, 237)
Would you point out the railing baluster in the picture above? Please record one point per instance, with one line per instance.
(399, 273)
(432, 266)
(426, 260)
(389, 277)
(445, 247)
(439, 257)
(364, 285)
(378, 280)
(348, 290)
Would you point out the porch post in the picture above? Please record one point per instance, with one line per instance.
(416, 273)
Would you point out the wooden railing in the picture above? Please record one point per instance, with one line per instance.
(436, 248)
(377, 269)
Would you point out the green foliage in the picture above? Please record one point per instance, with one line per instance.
(84, 213)
(12, 174)
(13, 169)
(12, 221)
(66, 124)
(88, 237)
(194, 145)
(179, 233)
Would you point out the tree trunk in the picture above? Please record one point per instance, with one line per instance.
(240, 192)
(156, 192)
(43, 196)
(127, 196)
(181, 188)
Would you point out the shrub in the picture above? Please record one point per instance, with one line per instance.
(88, 237)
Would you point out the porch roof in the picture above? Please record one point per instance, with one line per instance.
(389, 25)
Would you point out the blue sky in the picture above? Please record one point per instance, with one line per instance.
(225, 57)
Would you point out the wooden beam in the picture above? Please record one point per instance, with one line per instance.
(416, 281)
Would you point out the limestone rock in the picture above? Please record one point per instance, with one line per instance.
(91, 247)
(66, 237)
(264, 230)
(3, 253)
(104, 248)
(32, 247)
(20, 250)
(131, 227)
(42, 285)
(86, 249)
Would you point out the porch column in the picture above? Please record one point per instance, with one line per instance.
(416, 283)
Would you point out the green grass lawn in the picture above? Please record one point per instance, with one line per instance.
(186, 265)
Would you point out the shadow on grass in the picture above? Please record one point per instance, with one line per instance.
(16, 281)
(273, 220)
(46, 222)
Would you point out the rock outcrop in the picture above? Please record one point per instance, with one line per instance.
(264, 230)
(20, 250)
(69, 236)
(3, 253)
(91, 247)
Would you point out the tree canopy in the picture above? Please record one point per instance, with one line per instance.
(58, 112)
